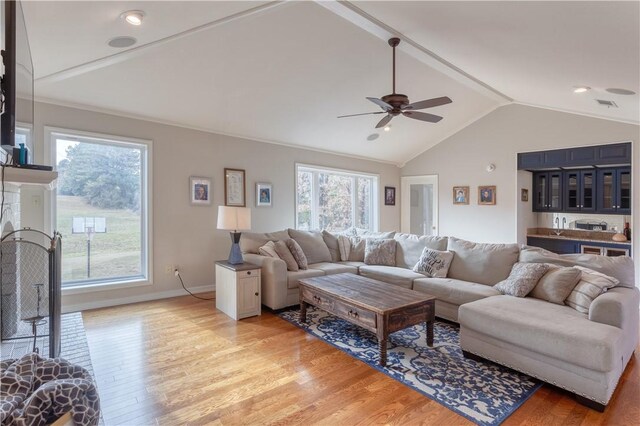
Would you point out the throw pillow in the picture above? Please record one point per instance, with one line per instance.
(344, 246)
(434, 263)
(591, 285)
(268, 250)
(522, 279)
(285, 254)
(556, 285)
(358, 246)
(297, 253)
(380, 252)
(332, 244)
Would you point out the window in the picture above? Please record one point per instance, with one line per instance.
(335, 199)
(102, 208)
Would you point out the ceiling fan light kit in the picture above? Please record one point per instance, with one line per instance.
(397, 103)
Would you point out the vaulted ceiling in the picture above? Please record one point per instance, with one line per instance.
(283, 71)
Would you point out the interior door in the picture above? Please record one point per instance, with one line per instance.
(419, 205)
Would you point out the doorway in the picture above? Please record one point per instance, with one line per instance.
(419, 205)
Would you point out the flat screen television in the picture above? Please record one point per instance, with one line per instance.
(17, 78)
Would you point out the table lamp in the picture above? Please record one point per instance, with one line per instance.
(234, 219)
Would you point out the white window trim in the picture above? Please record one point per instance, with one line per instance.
(353, 174)
(146, 205)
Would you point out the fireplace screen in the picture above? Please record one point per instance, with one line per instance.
(30, 298)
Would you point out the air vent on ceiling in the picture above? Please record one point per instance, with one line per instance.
(608, 104)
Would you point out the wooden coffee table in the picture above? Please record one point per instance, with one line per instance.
(374, 305)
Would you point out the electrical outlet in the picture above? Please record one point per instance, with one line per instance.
(168, 269)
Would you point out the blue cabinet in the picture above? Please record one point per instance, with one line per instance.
(547, 191)
(557, 246)
(614, 190)
(586, 156)
(563, 246)
(579, 191)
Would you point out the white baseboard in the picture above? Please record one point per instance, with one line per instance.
(95, 304)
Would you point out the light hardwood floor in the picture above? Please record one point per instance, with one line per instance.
(179, 361)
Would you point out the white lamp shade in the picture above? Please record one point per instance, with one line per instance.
(234, 218)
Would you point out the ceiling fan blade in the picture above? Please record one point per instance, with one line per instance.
(384, 121)
(429, 103)
(382, 104)
(422, 116)
(364, 113)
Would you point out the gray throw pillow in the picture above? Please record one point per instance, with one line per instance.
(434, 263)
(331, 241)
(285, 254)
(556, 285)
(591, 285)
(522, 279)
(297, 253)
(380, 252)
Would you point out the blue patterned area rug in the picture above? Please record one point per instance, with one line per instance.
(483, 392)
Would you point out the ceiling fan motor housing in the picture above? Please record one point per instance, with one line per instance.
(397, 101)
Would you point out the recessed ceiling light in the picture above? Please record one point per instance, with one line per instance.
(581, 89)
(133, 17)
(620, 91)
(387, 127)
(121, 42)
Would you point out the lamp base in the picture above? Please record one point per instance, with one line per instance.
(235, 255)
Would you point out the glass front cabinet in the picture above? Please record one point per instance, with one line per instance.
(548, 191)
(579, 190)
(614, 190)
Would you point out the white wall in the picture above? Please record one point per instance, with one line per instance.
(497, 138)
(183, 234)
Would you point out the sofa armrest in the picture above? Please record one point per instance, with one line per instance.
(617, 307)
(273, 279)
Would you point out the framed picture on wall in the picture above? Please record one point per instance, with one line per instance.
(200, 190)
(524, 194)
(234, 188)
(263, 194)
(460, 195)
(487, 195)
(389, 195)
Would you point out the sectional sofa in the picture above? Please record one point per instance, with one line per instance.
(583, 353)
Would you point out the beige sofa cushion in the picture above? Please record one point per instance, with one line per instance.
(390, 274)
(481, 263)
(410, 246)
(268, 250)
(619, 267)
(335, 268)
(454, 291)
(546, 328)
(294, 276)
(250, 242)
(556, 284)
(312, 245)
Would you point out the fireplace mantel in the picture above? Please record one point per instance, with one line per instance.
(42, 178)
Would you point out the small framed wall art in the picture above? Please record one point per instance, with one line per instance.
(234, 188)
(200, 190)
(460, 195)
(524, 194)
(264, 192)
(389, 195)
(487, 195)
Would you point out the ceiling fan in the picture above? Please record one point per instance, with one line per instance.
(396, 103)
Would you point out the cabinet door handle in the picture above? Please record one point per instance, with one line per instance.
(248, 272)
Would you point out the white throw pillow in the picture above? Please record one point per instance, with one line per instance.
(344, 246)
(591, 285)
(268, 250)
(434, 263)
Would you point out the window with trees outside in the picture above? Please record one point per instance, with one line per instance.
(335, 199)
(102, 208)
